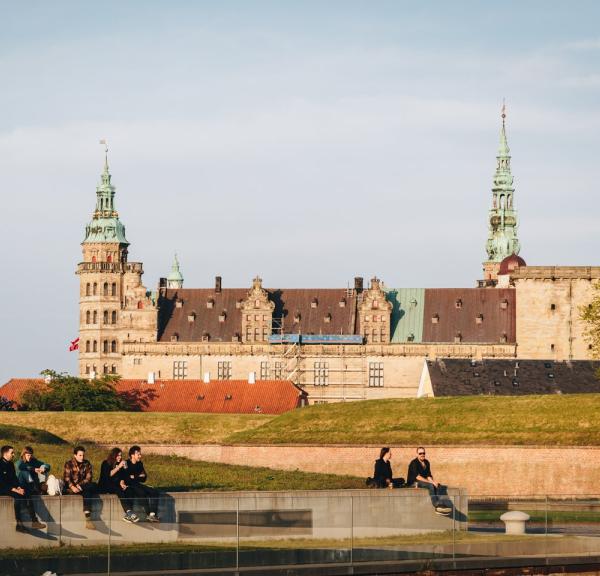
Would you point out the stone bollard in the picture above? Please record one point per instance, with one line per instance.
(514, 521)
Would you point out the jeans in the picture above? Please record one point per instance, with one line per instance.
(146, 496)
(438, 495)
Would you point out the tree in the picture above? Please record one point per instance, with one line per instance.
(590, 314)
(70, 393)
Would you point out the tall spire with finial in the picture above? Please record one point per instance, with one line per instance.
(502, 221)
(105, 225)
(175, 277)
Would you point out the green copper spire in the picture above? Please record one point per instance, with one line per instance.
(175, 278)
(105, 225)
(502, 238)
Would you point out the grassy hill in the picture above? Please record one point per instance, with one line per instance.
(526, 420)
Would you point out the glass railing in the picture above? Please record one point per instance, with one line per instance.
(233, 531)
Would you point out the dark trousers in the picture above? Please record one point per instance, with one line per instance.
(89, 493)
(125, 497)
(146, 496)
(438, 495)
(20, 503)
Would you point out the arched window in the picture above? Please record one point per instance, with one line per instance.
(140, 305)
(105, 347)
(114, 317)
(105, 369)
(95, 291)
(109, 258)
(88, 289)
(105, 316)
(113, 370)
(87, 369)
(87, 345)
(93, 259)
(95, 320)
(88, 316)
(95, 346)
(105, 289)
(113, 346)
(114, 289)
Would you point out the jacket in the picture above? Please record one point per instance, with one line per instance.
(8, 476)
(76, 474)
(25, 471)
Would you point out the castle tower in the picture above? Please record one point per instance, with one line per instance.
(502, 237)
(113, 304)
(175, 278)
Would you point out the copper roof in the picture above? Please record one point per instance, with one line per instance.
(510, 263)
(469, 315)
(200, 314)
(217, 396)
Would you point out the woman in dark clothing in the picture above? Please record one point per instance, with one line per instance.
(383, 471)
(111, 482)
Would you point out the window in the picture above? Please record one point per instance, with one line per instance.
(435, 318)
(264, 370)
(105, 316)
(113, 346)
(113, 369)
(105, 289)
(113, 318)
(321, 374)
(277, 370)
(458, 303)
(87, 345)
(224, 370)
(95, 347)
(105, 347)
(375, 374)
(95, 317)
(552, 306)
(504, 304)
(552, 347)
(88, 317)
(105, 369)
(137, 361)
(458, 337)
(114, 289)
(88, 289)
(95, 289)
(87, 369)
(479, 319)
(179, 370)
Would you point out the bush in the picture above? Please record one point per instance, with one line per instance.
(70, 393)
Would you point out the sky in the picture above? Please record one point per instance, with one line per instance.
(307, 142)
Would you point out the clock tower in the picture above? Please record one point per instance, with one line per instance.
(114, 306)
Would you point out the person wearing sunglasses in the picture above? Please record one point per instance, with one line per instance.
(420, 476)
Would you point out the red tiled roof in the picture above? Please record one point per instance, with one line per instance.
(319, 309)
(217, 396)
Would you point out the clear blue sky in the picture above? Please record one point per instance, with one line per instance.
(308, 142)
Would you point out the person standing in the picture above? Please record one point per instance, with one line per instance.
(9, 486)
(77, 479)
(134, 478)
(419, 475)
(112, 482)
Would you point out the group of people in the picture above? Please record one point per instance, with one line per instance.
(29, 477)
(419, 476)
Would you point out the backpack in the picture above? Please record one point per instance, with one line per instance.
(54, 485)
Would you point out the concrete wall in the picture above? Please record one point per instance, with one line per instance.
(481, 470)
(327, 514)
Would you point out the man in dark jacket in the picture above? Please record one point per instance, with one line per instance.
(134, 476)
(419, 475)
(9, 486)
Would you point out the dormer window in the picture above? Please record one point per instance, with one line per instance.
(375, 303)
(222, 316)
(410, 337)
(314, 303)
(504, 338)
(205, 337)
(238, 304)
(178, 303)
(342, 303)
(413, 303)
(210, 303)
(236, 337)
(297, 317)
(175, 337)
(435, 319)
(191, 317)
(257, 303)
(504, 304)
(458, 303)
(327, 318)
(479, 319)
(458, 337)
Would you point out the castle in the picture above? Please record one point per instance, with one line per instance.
(370, 341)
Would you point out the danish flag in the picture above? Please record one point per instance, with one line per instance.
(74, 345)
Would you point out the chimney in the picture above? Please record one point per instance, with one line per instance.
(252, 378)
(358, 284)
(150, 377)
(217, 284)
(206, 378)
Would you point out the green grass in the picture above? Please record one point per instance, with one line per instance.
(526, 420)
(136, 427)
(554, 516)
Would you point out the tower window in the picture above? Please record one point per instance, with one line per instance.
(113, 369)
(105, 369)
(114, 289)
(88, 289)
(105, 347)
(109, 258)
(95, 347)
(88, 315)
(552, 306)
(140, 305)
(87, 346)
(95, 317)
(105, 289)
(552, 347)
(113, 346)
(105, 316)
(114, 317)
(95, 289)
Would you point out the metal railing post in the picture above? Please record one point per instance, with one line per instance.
(351, 529)
(109, 533)
(237, 535)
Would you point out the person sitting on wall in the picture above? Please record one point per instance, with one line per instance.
(9, 486)
(77, 479)
(112, 482)
(420, 476)
(32, 473)
(134, 476)
(382, 476)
